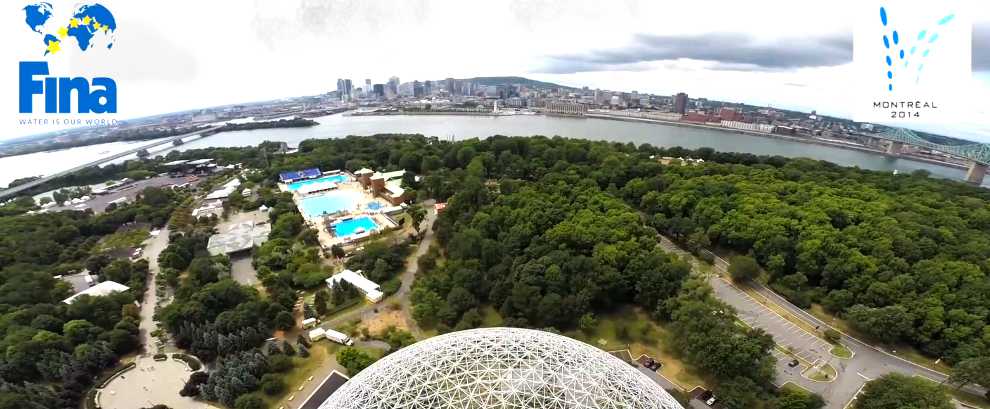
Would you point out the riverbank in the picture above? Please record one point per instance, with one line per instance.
(812, 140)
(788, 138)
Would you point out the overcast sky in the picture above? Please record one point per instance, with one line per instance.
(179, 54)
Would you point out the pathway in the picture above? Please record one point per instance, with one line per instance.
(368, 311)
(148, 324)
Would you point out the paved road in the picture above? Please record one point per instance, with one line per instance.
(368, 311)
(868, 363)
(148, 324)
(20, 188)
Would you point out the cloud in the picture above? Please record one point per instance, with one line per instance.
(729, 51)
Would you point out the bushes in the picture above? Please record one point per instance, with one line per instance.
(191, 387)
(832, 335)
(193, 363)
(272, 384)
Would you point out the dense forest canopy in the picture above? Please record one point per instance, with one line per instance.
(545, 231)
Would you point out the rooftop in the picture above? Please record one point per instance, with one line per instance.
(99, 290)
(238, 237)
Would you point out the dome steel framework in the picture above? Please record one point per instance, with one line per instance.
(500, 368)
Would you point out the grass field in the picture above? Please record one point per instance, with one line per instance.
(632, 329)
(123, 239)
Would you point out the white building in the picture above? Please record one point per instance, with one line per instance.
(99, 290)
(370, 289)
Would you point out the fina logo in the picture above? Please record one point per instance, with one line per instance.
(89, 24)
(899, 62)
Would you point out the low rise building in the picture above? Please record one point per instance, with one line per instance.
(98, 290)
(370, 289)
(239, 237)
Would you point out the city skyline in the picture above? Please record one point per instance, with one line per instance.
(777, 58)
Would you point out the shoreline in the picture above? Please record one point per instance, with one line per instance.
(812, 141)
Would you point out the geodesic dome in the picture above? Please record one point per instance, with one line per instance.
(500, 368)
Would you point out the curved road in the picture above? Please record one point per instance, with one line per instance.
(869, 362)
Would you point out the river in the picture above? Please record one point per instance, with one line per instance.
(464, 127)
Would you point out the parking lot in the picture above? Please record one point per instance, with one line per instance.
(806, 346)
(99, 203)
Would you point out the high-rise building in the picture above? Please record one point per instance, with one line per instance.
(452, 87)
(680, 103)
(344, 89)
(379, 91)
(428, 88)
(417, 89)
(393, 84)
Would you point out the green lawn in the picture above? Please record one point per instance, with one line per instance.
(824, 374)
(122, 239)
(841, 351)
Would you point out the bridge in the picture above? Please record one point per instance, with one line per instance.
(37, 182)
(977, 153)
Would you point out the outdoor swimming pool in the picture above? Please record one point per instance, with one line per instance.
(349, 227)
(374, 205)
(332, 178)
(329, 203)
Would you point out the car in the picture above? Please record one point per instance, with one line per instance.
(793, 363)
(711, 401)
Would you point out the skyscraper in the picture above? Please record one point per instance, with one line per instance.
(393, 84)
(417, 89)
(680, 103)
(428, 88)
(452, 87)
(344, 89)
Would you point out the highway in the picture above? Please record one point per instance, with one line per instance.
(20, 188)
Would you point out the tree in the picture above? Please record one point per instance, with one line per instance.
(320, 300)
(337, 251)
(354, 360)
(191, 388)
(249, 401)
(587, 323)
(288, 350)
(417, 213)
(279, 363)
(972, 370)
(896, 391)
(887, 324)
(796, 398)
(743, 268)
(272, 384)
(80, 331)
(284, 321)
(738, 393)
(303, 351)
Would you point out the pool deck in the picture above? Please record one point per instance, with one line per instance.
(326, 238)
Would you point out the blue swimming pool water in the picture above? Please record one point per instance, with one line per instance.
(328, 203)
(331, 178)
(374, 205)
(349, 227)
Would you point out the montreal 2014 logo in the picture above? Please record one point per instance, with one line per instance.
(89, 26)
(906, 57)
